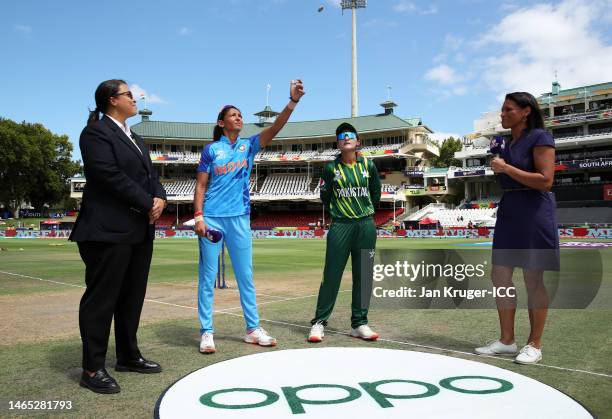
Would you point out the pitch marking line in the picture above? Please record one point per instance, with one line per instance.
(336, 332)
(221, 311)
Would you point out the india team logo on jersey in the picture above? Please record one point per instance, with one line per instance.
(242, 148)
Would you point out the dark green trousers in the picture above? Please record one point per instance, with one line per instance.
(356, 238)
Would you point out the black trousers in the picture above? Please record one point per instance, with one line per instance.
(116, 278)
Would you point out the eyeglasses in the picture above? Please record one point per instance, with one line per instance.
(128, 94)
(347, 135)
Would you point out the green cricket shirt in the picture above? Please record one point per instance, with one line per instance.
(350, 192)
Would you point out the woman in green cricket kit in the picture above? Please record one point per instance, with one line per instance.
(350, 189)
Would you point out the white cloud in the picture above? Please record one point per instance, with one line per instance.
(183, 31)
(334, 3)
(443, 74)
(452, 42)
(524, 48)
(431, 11)
(561, 37)
(152, 98)
(459, 90)
(23, 28)
(404, 6)
(441, 136)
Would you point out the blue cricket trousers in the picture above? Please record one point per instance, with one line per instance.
(237, 236)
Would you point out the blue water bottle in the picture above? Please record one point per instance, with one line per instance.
(213, 235)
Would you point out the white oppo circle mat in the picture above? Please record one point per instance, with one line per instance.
(360, 383)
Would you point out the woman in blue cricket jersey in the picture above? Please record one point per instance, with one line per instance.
(221, 202)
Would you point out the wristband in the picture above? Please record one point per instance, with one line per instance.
(198, 213)
(198, 218)
(294, 101)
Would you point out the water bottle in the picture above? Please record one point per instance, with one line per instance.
(213, 235)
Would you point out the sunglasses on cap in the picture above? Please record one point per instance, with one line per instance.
(347, 135)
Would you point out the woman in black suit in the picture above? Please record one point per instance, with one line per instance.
(114, 232)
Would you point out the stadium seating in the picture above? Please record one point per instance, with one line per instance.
(486, 202)
(286, 219)
(189, 157)
(461, 217)
(283, 184)
(306, 218)
(179, 187)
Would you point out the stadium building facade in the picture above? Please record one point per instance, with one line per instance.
(285, 178)
(284, 183)
(580, 120)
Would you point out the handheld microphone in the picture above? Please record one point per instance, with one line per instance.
(497, 145)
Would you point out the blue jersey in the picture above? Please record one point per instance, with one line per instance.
(228, 167)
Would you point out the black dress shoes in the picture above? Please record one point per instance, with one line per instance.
(140, 365)
(101, 382)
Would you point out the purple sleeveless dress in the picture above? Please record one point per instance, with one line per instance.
(526, 218)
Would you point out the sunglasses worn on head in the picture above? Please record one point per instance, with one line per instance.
(347, 135)
(128, 94)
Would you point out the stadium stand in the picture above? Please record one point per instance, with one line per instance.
(383, 216)
(285, 219)
(581, 216)
(426, 211)
(183, 187)
(462, 217)
(263, 156)
(282, 184)
(308, 218)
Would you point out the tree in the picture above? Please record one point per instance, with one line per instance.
(35, 165)
(447, 153)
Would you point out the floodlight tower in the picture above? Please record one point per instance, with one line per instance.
(354, 5)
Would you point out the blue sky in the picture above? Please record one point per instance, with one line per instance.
(446, 61)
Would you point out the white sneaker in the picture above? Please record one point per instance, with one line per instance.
(529, 354)
(496, 347)
(364, 332)
(316, 333)
(259, 337)
(207, 344)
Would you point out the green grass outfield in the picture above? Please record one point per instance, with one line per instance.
(40, 351)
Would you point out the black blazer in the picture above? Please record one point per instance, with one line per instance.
(121, 185)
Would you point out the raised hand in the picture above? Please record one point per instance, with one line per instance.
(296, 90)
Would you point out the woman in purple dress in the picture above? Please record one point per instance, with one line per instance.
(526, 229)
